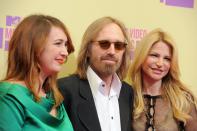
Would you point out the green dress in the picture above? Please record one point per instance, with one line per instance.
(19, 112)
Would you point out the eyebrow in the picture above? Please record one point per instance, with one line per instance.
(153, 52)
(59, 40)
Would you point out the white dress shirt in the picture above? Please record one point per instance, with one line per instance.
(107, 106)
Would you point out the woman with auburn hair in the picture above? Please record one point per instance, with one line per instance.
(29, 97)
(162, 102)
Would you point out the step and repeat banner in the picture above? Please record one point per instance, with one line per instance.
(177, 17)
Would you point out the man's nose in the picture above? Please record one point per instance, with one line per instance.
(112, 49)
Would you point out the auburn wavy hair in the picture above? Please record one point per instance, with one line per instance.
(26, 44)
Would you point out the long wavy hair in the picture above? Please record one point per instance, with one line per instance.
(179, 96)
(90, 34)
(27, 42)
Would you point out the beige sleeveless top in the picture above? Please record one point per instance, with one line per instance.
(158, 116)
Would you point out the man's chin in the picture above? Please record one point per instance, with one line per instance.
(109, 69)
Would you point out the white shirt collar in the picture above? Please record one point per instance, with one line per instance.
(96, 83)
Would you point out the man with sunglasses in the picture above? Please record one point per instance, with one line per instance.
(95, 97)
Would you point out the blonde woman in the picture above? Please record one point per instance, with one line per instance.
(162, 102)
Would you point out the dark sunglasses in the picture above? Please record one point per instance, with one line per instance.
(105, 44)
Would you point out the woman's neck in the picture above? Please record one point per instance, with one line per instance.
(42, 78)
(152, 87)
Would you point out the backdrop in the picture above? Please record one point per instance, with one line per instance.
(178, 17)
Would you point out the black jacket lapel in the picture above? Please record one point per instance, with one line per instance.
(86, 109)
(125, 112)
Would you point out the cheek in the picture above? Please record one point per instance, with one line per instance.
(146, 63)
(145, 68)
(121, 55)
(93, 58)
(167, 66)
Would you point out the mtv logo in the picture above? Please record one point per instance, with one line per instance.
(12, 20)
(179, 3)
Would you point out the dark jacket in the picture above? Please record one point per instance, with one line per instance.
(80, 106)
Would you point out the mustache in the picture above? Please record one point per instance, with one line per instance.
(109, 57)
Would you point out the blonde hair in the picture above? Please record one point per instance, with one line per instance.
(179, 96)
(27, 43)
(90, 34)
